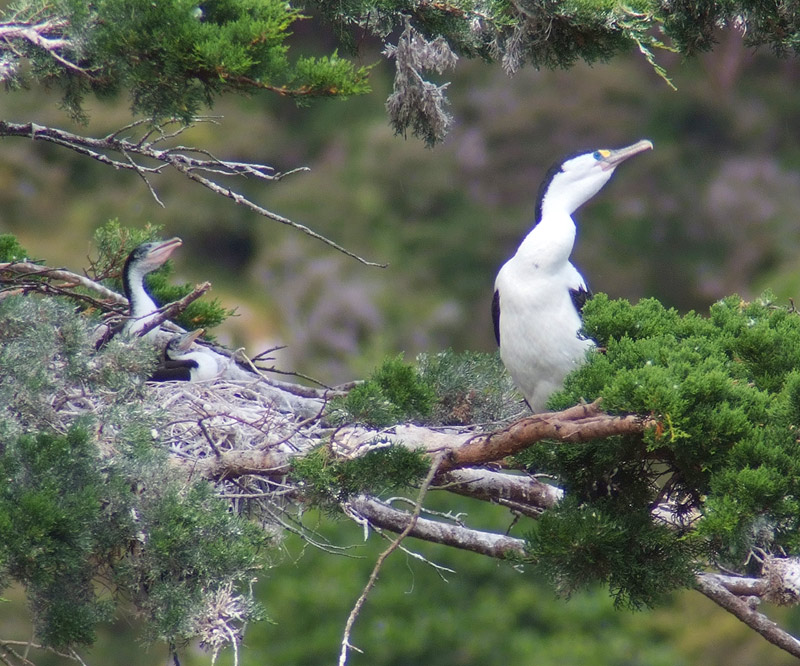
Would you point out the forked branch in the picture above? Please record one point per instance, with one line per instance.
(198, 165)
(21, 270)
(745, 609)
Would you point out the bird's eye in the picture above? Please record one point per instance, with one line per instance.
(597, 155)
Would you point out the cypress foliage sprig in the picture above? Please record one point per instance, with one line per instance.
(172, 58)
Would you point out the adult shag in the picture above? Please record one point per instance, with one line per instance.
(144, 259)
(180, 364)
(539, 294)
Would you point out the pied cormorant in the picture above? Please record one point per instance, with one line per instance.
(180, 364)
(539, 294)
(144, 259)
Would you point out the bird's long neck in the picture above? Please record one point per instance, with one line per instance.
(549, 244)
(133, 283)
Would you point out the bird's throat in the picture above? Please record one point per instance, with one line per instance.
(549, 244)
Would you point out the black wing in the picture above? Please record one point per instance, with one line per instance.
(174, 371)
(579, 297)
(496, 315)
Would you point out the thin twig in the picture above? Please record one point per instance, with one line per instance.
(438, 568)
(373, 577)
(190, 172)
(142, 175)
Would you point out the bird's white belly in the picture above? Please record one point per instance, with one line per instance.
(207, 366)
(539, 339)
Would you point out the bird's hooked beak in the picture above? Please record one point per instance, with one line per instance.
(161, 252)
(615, 157)
(187, 339)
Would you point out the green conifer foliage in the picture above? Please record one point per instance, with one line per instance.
(52, 528)
(11, 250)
(87, 494)
(327, 482)
(470, 387)
(394, 393)
(446, 388)
(176, 57)
(724, 455)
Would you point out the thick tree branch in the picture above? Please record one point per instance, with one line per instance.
(181, 158)
(581, 423)
(742, 587)
(486, 543)
(513, 490)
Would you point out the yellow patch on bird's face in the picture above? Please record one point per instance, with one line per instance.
(604, 153)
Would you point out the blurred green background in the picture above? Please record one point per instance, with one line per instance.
(714, 209)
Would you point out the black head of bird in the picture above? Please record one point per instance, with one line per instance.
(181, 343)
(578, 178)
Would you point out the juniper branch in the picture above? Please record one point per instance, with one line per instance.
(46, 35)
(581, 423)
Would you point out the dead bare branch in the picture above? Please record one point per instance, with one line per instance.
(713, 586)
(494, 545)
(181, 158)
(498, 487)
(176, 307)
(25, 268)
(47, 35)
